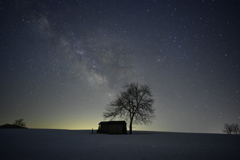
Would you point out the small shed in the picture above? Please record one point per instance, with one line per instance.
(112, 127)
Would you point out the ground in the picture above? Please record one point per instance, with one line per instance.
(81, 144)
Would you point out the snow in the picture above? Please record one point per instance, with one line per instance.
(81, 144)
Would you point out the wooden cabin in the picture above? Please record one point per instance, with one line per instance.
(112, 127)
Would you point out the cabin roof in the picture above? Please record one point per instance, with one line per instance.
(113, 122)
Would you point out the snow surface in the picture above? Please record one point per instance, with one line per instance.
(81, 144)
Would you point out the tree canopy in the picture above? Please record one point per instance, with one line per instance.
(20, 122)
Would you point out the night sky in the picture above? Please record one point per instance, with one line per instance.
(63, 62)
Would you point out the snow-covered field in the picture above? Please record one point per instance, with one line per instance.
(79, 144)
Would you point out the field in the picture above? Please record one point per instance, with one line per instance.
(81, 144)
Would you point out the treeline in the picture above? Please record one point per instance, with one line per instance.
(19, 123)
(231, 128)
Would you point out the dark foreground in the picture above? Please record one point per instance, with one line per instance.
(74, 144)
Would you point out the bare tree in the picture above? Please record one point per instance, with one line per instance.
(227, 128)
(231, 128)
(20, 122)
(235, 128)
(134, 105)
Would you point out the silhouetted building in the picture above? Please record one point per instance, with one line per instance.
(112, 127)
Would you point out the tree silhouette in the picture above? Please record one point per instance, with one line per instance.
(231, 128)
(235, 128)
(20, 122)
(227, 129)
(134, 105)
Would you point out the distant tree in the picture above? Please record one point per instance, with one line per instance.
(20, 122)
(227, 128)
(231, 128)
(134, 105)
(235, 128)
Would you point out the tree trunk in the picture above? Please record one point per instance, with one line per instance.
(130, 127)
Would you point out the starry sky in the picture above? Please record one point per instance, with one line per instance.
(62, 62)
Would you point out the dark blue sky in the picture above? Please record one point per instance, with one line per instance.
(62, 62)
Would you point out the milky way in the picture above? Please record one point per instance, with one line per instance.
(62, 62)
